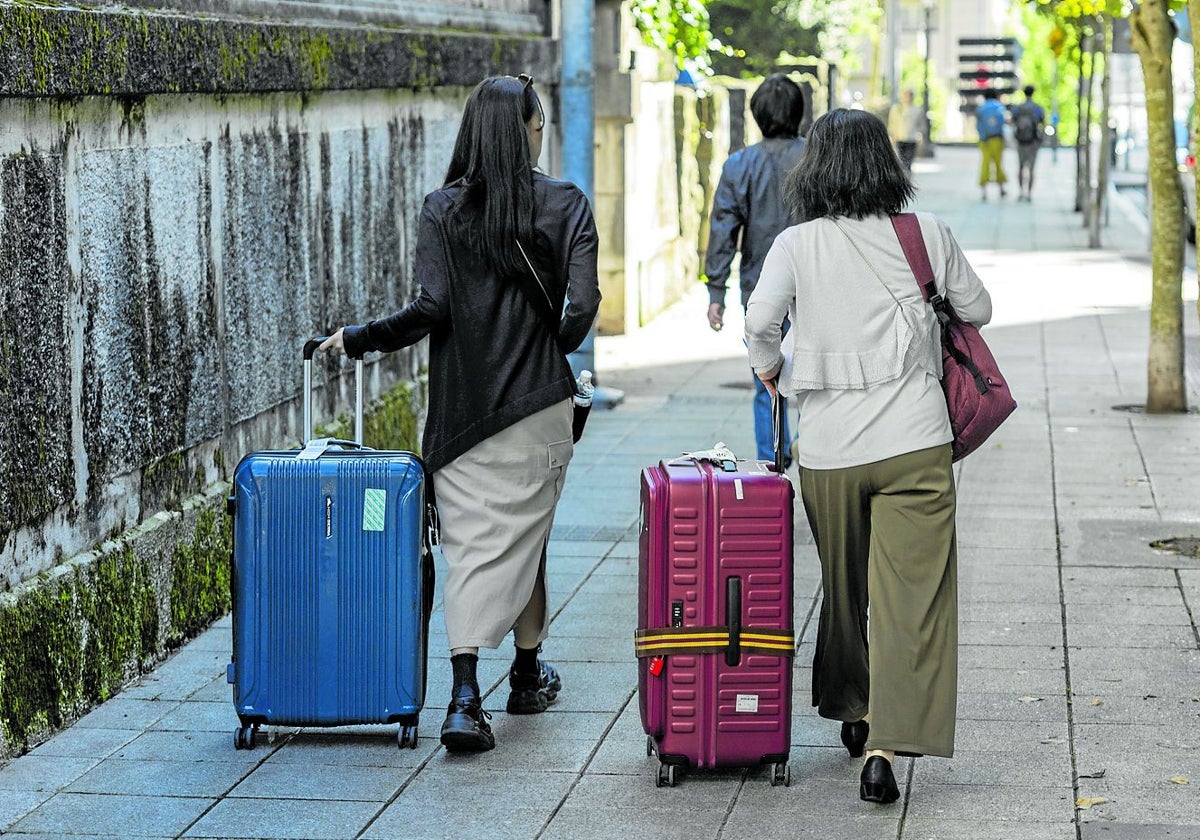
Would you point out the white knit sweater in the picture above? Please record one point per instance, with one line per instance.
(864, 365)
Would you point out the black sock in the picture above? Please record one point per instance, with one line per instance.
(526, 661)
(465, 684)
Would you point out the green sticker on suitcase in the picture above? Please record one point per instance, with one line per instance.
(374, 509)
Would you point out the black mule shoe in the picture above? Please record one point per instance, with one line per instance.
(877, 783)
(854, 737)
(465, 728)
(533, 693)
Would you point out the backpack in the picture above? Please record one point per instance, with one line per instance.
(1025, 126)
(990, 118)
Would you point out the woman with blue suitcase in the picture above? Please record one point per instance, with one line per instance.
(498, 437)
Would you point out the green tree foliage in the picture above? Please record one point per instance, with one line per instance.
(680, 27)
(1052, 50)
(756, 37)
(758, 33)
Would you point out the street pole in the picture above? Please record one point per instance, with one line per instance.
(893, 13)
(579, 138)
(927, 146)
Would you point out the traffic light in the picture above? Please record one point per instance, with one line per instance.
(986, 64)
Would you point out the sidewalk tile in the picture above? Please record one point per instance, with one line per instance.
(431, 820)
(159, 778)
(320, 782)
(117, 816)
(921, 827)
(993, 803)
(284, 819)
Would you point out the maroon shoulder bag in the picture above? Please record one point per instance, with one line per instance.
(977, 396)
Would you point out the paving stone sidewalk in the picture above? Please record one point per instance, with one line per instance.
(1079, 710)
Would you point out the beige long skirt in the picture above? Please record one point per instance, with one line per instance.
(496, 503)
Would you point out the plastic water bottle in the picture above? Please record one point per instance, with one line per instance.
(584, 389)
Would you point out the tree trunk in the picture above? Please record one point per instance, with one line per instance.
(874, 83)
(1152, 40)
(1193, 9)
(1085, 120)
(1081, 132)
(1100, 196)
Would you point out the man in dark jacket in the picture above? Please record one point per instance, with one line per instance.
(749, 207)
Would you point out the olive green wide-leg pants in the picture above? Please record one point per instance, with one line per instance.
(885, 535)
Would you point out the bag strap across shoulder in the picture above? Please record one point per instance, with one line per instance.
(540, 302)
(908, 230)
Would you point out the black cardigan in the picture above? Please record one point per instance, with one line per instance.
(492, 360)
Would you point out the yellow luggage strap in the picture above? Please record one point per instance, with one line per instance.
(662, 641)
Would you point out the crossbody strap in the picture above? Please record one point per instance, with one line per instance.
(908, 231)
(541, 303)
(870, 264)
(546, 311)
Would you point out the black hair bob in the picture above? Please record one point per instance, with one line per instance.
(778, 106)
(848, 169)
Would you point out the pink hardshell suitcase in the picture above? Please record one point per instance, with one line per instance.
(715, 634)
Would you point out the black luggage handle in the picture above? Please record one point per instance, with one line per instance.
(733, 620)
(777, 417)
(310, 347)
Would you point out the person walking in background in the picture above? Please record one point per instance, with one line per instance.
(749, 208)
(874, 442)
(1029, 120)
(906, 121)
(989, 121)
(497, 440)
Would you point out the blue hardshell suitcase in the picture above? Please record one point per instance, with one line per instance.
(332, 583)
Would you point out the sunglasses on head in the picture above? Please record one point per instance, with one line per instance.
(527, 80)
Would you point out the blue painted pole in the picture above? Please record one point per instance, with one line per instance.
(579, 133)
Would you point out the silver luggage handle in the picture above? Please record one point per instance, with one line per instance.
(310, 347)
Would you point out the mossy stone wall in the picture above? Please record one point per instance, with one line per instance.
(184, 200)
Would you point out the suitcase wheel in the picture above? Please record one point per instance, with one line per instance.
(649, 746)
(406, 736)
(781, 774)
(243, 737)
(667, 775)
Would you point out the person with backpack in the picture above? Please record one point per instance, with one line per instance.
(990, 121)
(1028, 122)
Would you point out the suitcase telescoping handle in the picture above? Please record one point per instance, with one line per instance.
(777, 413)
(310, 347)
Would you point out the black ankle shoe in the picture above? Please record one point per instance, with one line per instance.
(465, 728)
(533, 693)
(877, 783)
(854, 737)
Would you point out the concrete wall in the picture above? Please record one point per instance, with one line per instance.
(659, 150)
(165, 262)
(184, 199)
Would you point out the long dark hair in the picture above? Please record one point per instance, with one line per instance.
(491, 163)
(848, 168)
